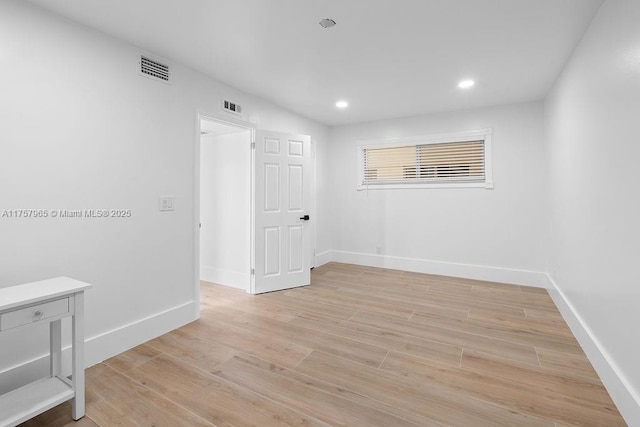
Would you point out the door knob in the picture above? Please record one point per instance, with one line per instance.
(306, 217)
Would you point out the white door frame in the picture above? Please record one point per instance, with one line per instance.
(226, 119)
(196, 193)
(312, 208)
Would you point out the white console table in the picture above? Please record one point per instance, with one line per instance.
(39, 302)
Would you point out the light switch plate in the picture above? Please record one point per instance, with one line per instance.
(167, 203)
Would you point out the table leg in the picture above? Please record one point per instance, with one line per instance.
(55, 348)
(77, 336)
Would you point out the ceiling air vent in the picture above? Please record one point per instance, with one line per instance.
(231, 107)
(154, 69)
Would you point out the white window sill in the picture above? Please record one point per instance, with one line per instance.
(364, 187)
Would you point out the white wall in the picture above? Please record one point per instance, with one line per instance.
(225, 209)
(592, 121)
(487, 234)
(80, 129)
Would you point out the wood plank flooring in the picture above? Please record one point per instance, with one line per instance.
(359, 347)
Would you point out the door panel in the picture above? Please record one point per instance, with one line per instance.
(296, 188)
(272, 187)
(295, 248)
(282, 199)
(272, 253)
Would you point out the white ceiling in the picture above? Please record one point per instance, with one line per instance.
(388, 58)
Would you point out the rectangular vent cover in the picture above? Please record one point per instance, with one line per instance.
(232, 107)
(149, 67)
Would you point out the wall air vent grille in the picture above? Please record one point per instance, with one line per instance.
(231, 107)
(155, 69)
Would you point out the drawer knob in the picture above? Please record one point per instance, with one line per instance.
(37, 315)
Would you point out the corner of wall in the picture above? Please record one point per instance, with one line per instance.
(623, 395)
(324, 258)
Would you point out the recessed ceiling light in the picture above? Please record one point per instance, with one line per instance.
(342, 104)
(327, 23)
(466, 84)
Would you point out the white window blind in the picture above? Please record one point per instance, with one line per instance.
(399, 163)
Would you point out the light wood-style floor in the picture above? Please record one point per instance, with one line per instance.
(359, 347)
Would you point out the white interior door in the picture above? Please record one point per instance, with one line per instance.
(282, 193)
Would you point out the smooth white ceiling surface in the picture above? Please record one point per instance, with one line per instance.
(388, 58)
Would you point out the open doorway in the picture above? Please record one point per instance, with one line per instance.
(253, 207)
(225, 204)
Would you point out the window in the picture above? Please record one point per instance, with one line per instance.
(456, 160)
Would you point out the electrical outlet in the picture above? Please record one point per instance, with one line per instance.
(379, 250)
(167, 203)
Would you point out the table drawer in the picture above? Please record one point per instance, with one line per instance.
(33, 314)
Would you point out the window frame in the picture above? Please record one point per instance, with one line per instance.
(475, 135)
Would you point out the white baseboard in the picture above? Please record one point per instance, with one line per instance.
(323, 258)
(229, 278)
(467, 271)
(103, 346)
(625, 397)
(109, 344)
